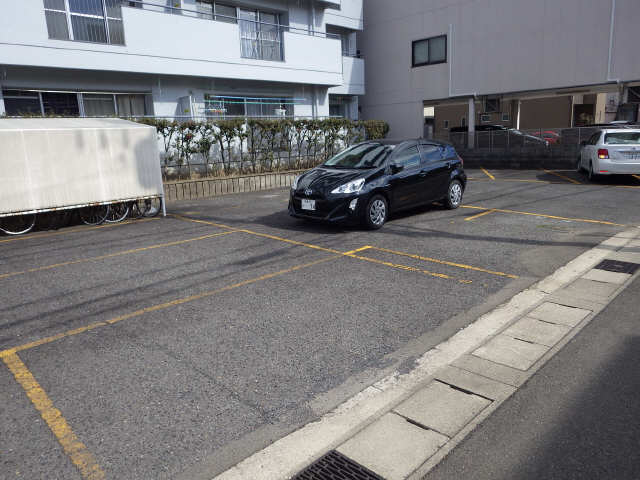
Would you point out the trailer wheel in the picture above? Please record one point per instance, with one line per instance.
(117, 212)
(94, 215)
(17, 224)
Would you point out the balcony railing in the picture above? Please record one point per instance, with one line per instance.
(224, 18)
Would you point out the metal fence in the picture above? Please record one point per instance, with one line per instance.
(540, 138)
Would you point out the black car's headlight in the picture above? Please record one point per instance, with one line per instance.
(352, 187)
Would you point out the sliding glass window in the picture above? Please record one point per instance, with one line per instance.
(97, 21)
(260, 35)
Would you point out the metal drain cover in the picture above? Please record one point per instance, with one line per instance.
(335, 466)
(618, 266)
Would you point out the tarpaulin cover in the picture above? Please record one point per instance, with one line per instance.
(50, 163)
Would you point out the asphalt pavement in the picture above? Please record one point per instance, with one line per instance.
(577, 418)
(174, 348)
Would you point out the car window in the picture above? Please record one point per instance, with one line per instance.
(366, 155)
(409, 157)
(594, 139)
(431, 153)
(622, 138)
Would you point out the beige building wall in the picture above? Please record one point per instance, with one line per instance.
(545, 113)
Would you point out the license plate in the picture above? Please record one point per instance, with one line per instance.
(308, 204)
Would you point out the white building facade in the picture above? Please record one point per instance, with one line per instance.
(181, 58)
(499, 61)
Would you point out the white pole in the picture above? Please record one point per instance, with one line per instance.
(471, 120)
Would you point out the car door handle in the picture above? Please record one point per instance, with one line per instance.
(423, 173)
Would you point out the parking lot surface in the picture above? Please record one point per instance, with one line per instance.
(176, 347)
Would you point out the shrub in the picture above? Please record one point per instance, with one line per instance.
(267, 144)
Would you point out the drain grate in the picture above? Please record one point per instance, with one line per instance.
(335, 466)
(617, 266)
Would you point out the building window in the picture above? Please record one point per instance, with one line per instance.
(60, 104)
(21, 102)
(446, 124)
(492, 105)
(226, 13)
(429, 51)
(485, 118)
(260, 35)
(463, 122)
(506, 117)
(97, 21)
(98, 105)
(339, 106)
(217, 11)
(131, 105)
(227, 106)
(36, 102)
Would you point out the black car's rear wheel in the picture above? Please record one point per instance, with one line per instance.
(376, 213)
(454, 195)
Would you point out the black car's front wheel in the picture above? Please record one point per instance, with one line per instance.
(376, 213)
(454, 194)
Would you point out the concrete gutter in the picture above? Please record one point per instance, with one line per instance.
(403, 425)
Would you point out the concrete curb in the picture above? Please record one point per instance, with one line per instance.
(455, 385)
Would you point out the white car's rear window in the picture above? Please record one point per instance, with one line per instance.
(622, 138)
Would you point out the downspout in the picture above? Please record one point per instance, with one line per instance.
(611, 31)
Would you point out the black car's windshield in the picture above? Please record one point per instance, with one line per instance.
(368, 155)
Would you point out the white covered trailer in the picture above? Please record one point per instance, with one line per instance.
(58, 163)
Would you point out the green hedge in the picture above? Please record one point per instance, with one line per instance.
(237, 146)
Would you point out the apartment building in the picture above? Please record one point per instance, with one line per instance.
(181, 58)
(437, 64)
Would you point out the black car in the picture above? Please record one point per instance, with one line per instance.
(367, 181)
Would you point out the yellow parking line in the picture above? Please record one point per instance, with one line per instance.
(74, 230)
(559, 175)
(555, 217)
(473, 217)
(111, 255)
(444, 262)
(161, 306)
(72, 446)
(409, 269)
(488, 174)
(636, 176)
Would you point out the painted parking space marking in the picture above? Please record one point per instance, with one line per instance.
(486, 172)
(444, 262)
(478, 215)
(72, 446)
(75, 230)
(113, 255)
(411, 269)
(543, 215)
(559, 175)
(161, 306)
(636, 177)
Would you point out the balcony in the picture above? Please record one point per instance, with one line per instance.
(352, 77)
(183, 43)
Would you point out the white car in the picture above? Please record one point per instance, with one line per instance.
(611, 151)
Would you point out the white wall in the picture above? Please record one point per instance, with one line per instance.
(497, 46)
(349, 15)
(353, 77)
(160, 43)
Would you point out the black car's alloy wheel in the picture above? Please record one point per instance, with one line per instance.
(454, 195)
(376, 213)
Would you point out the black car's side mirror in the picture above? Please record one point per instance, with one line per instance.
(396, 168)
